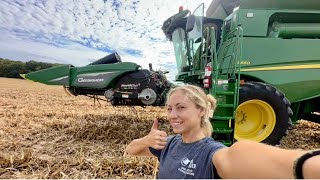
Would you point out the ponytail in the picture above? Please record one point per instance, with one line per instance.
(206, 124)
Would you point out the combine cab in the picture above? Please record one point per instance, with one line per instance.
(260, 59)
(122, 83)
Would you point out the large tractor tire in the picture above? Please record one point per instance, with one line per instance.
(263, 114)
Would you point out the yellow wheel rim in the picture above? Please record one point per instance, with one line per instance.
(255, 120)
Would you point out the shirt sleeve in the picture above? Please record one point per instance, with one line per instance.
(215, 146)
(156, 152)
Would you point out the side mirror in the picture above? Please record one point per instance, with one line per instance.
(190, 23)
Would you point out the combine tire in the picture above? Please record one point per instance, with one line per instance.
(263, 114)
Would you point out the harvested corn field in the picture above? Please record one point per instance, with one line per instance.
(47, 134)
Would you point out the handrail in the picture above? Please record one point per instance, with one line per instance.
(214, 60)
(191, 55)
(231, 32)
(233, 67)
(235, 50)
(240, 39)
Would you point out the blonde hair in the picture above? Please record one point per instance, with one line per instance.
(202, 100)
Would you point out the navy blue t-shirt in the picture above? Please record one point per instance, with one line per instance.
(180, 160)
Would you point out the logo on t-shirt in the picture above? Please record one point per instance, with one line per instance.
(188, 166)
(185, 161)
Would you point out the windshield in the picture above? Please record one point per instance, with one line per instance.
(179, 44)
(195, 36)
(187, 49)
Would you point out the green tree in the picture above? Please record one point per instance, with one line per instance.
(12, 69)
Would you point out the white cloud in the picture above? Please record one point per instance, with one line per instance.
(77, 32)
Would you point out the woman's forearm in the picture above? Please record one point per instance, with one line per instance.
(311, 168)
(138, 147)
(246, 159)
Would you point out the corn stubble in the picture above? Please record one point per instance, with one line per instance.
(47, 134)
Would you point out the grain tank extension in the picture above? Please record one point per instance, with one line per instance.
(260, 59)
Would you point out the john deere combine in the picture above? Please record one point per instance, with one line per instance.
(260, 59)
(122, 83)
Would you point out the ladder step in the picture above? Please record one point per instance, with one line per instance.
(222, 130)
(222, 117)
(225, 93)
(225, 105)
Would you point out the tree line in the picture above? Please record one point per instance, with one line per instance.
(12, 69)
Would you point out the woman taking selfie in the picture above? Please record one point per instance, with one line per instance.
(192, 153)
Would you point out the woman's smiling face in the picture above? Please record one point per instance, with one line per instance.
(183, 114)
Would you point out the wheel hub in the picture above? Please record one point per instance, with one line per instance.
(255, 120)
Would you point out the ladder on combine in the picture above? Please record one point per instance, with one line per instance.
(225, 85)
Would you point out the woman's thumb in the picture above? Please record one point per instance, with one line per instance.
(155, 124)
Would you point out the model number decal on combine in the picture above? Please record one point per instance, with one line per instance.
(90, 80)
(245, 62)
(130, 86)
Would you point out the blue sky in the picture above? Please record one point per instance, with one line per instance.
(78, 32)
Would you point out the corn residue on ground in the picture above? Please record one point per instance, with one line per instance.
(45, 133)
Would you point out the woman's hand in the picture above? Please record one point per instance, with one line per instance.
(156, 139)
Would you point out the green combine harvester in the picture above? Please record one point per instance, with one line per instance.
(260, 59)
(122, 83)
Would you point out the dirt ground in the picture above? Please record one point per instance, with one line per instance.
(47, 134)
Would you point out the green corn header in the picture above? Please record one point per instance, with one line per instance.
(121, 83)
